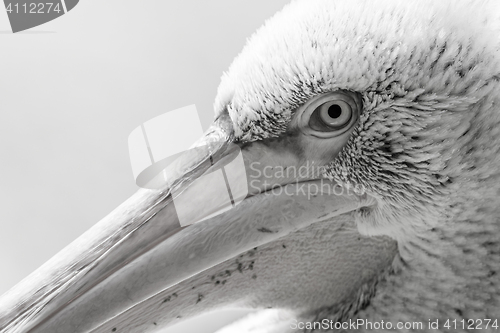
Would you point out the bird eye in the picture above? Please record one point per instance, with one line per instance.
(334, 114)
(330, 114)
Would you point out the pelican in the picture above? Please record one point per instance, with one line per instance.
(394, 102)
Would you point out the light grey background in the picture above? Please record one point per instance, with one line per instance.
(73, 89)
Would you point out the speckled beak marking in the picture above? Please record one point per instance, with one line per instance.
(140, 249)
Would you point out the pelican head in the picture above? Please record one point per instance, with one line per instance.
(396, 103)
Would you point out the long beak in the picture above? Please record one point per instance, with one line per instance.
(141, 249)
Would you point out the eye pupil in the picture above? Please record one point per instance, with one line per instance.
(334, 111)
